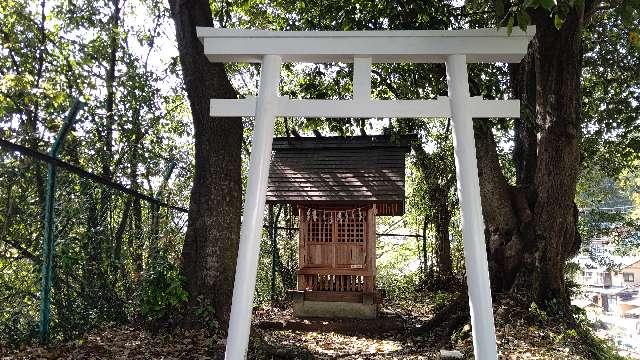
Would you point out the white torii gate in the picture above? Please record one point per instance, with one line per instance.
(454, 48)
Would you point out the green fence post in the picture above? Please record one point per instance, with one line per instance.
(48, 242)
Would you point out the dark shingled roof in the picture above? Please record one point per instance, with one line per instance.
(339, 171)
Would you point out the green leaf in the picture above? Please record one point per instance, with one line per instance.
(547, 4)
(534, 4)
(558, 21)
(499, 9)
(633, 3)
(634, 38)
(627, 15)
(579, 4)
(523, 20)
(510, 25)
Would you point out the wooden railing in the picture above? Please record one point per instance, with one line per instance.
(340, 283)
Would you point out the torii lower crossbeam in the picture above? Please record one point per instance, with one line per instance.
(367, 108)
(271, 48)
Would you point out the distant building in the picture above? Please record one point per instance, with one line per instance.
(612, 289)
(629, 275)
(624, 272)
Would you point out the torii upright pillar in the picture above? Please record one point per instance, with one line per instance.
(253, 213)
(475, 255)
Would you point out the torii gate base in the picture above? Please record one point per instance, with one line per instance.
(454, 48)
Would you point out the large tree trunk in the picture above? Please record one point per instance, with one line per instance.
(531, 227)
(211, 244)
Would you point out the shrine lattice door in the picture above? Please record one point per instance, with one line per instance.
(337, 249)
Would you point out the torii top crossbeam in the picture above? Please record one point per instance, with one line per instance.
(410, 46)
(454, 48)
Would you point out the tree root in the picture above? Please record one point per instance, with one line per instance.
(448, 320)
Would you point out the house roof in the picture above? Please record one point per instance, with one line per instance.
(617, 262)
(630, 261)
(339, 171)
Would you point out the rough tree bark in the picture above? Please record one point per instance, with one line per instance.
(211, 244)
(531, 227)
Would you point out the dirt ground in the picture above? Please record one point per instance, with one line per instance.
(276, 334)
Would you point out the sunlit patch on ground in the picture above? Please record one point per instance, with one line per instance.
(332, 344)
(387, 337)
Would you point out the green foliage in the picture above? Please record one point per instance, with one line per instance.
(629, 183)
(286, 260)
(263, 281)
(18, 319)
(597, 348)
(571, 272)
(608, 210)
(610, 106)
(103, 271)
(161, 291)
(600, 349)
(442, 298)
(537, 313)
(626, 11)
(578, 331)
(396, 270)
(206, 313)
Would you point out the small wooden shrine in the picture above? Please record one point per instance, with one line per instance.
(338, 186)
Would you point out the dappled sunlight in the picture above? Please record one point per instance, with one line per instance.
(333, 344)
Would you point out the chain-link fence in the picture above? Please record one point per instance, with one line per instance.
(116, 256)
